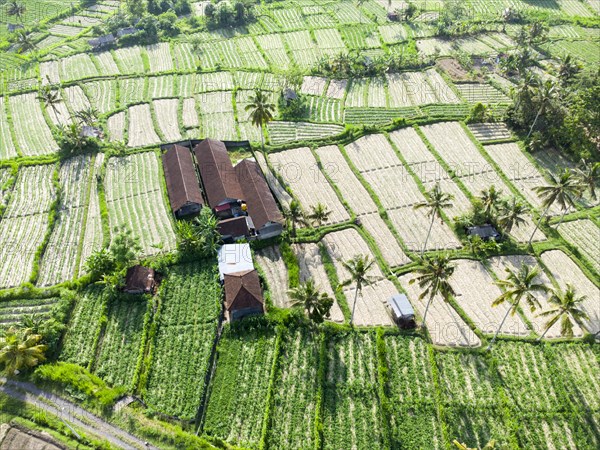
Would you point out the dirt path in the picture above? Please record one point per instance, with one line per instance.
(71, 414)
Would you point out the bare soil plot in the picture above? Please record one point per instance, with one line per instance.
(452, 143)
(442, 90)
(141, 127)
(566, 271)
(371, 304)
(116, 127)
(189, 113)
(166, 112)
(385, 240)
(444, 324)
(486, 132)
(585, 235)
(24, 223)
(31, 130)
(418, 89)
(412, 147)
(398, 92)
(313, 85)
(135, 200)
(271, 263)
(59, 261)
(76, 98)
(498, 265)
(337, 89)
(282, 195)
(7, 146)
(338, 170)
(49, 72)
(520, 170)
(453, 68)
(312, 268)
(475, 292)
(159, 56)
(300, 171)
(398, 192)
(93, 235)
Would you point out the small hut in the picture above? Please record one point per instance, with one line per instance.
(402, 311)
(486, 232)
(243, 295)
(140, 280)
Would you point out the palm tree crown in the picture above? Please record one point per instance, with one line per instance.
(435, 202)
(317, 304)
(261, 111)
(566, 308)
(320, 214)
(358, 267)
(20, 349)
(433, 277)
(512, 214)
(588, 175)
(490, 198)
(518, 285)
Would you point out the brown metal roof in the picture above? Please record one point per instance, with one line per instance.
(235, 227)
(218, 176)
(242, 290)
(182, 182)
(259, 198)
(139, 279)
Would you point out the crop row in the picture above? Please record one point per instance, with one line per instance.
(13, 311)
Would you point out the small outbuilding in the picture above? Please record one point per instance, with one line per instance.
(261, 204)
(183, 188)
(289, 95)
(219, 179)
(485, 232)
(402, 311)
(140, 280)
(233, 258)
(102, 41)
(243, 295)
(12, 27)
(237, 228)
(126, 31)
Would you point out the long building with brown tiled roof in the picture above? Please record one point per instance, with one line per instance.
(261, 204)
(182, 183)
(218, 175)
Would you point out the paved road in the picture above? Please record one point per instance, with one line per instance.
(71, 414)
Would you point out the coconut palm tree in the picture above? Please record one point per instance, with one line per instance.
(20, 349)
(588, 175)
(435, 202)
(316, 304)
(545, 93)
(490, 198)
(88, 116)
(25, 42)
(16, 9)
(261, 112)
(359, 267)
(512, 213)
(294, 215)
(50, 99)
(433, 277)
(562, 190)
(319, 215)
(567, 70)
(566, 309)
(518, 285)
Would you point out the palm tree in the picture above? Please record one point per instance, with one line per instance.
(517, 286)
(524, 89)
(559, 190)
(562, 190)
(295, 215)
(261, 112)
(25, 42)
(544, 95)
(434, 275)
(316, 304)
(567, 70)
(490, 198)
(50, 99)
(358, 267)
(20, 349)
(489, 446)
(16, 9)
(319, 215)
(566, 309)
(512, 214)
(435, 202)
(588, 175)
(88, 116)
